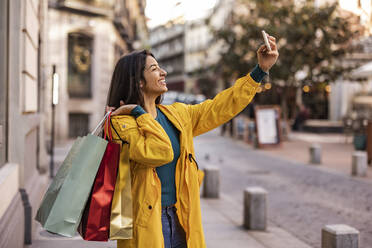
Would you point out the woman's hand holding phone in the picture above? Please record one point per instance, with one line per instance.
(267, 54)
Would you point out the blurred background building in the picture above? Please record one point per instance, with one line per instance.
(168, 46)
(86, 38)
(344, 92)
(187, 50)
(83, 40)
(202, 49)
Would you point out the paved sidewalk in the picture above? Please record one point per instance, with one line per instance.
(222, 222)
(336, 152)
(222, 227)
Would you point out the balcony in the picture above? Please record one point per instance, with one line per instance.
(86, 7)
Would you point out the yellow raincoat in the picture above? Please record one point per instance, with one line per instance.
(150, 146)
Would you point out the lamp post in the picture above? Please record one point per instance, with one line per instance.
(55, 86)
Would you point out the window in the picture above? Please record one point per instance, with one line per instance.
(79, 65)
(78, 124)
(3, 79)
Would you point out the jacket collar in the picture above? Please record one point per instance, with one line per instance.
(172, 116)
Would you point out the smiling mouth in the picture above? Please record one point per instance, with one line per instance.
(162, 82)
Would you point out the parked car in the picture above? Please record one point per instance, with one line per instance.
(174, 96)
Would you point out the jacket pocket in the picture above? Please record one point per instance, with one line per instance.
(192, 160)
(199, 172)
(145, 212)
(146, 205)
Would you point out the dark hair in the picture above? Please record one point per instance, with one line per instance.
(125, 82)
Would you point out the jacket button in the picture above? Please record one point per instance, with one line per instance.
(150, 207)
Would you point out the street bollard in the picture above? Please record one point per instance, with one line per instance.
(315, 154)
(359, 164)
(255, 141)
(340, 236)
(211, 183)
(255, 208)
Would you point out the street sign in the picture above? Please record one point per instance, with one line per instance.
(267, 119)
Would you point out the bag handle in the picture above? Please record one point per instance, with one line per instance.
(107, 129)
(109, 126)
(100, 123)
(108, 121)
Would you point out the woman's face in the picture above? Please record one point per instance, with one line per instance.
(155, 78)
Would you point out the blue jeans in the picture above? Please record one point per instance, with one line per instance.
(174, 235)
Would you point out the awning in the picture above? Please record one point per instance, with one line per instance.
(363, 100)
(363, 71)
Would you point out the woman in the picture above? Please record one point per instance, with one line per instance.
(165, 176)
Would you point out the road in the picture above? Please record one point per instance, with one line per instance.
(302, 198)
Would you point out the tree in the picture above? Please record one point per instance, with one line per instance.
(206, 85)
(312, 41)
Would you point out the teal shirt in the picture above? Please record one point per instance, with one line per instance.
(166, 173)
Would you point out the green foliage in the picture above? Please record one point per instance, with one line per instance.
(310, 39)
(207, 86)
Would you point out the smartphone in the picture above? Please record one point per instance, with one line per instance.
(264, 35)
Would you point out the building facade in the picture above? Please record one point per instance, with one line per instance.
(345, 89)
(202, 51)
(197, 40)
(86, 38)
(187, 49)
(23, 158)
(168, 46)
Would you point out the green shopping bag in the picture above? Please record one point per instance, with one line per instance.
(52, 192)
(63, 203)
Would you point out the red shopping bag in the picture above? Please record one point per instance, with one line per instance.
(95, 222)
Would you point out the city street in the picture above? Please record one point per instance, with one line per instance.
(64, 63)
(302, 198)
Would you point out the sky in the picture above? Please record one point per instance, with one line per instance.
(160, 11)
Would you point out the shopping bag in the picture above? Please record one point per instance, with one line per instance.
(121, 220)
(52, 192)
(63, 204)
(95, 223)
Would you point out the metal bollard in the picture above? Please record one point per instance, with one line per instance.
(315, 154)
(359, 164)
(340, 236)
(211, 183)
(255, 208)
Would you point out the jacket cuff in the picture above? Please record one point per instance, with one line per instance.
(137, 111)
(258, 74)
(249, 81)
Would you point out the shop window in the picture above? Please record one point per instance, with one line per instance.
(80, 47)
(78, 124)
